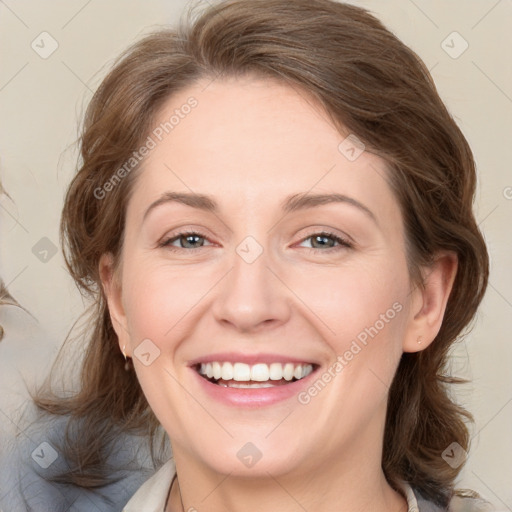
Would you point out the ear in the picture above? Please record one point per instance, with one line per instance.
(428, 304)
(111, 285)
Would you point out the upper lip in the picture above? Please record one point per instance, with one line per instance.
(250, 359)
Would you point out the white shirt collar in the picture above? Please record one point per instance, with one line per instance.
(152, 494)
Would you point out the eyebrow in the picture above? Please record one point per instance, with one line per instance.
(292, 203)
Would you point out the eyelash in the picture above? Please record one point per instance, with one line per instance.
(343, 243)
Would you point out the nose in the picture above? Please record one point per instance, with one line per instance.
(252, 297)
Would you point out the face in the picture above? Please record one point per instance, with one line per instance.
(297, 309)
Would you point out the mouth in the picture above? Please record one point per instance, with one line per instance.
(259, 375)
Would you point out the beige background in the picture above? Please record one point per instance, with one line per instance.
(41, 100)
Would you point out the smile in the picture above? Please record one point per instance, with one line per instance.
(260, 375)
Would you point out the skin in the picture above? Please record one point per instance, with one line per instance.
(250, 143)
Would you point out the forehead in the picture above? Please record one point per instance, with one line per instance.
(254, 140)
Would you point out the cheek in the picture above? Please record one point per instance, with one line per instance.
(354, 302)
(159, 303)
(160, 298)
(363, 318)
(146, 305)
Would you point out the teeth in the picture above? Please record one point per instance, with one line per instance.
(288, 371)
(259, 372)
(235, 384)
(217, 370)
(226, 371)
(241, 372)
(276, 371)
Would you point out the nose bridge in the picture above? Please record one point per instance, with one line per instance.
(251, 294)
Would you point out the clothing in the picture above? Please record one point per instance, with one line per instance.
(152, 495)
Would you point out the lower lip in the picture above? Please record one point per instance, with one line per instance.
(253, 397)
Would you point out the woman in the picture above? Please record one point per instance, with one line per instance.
(273, 217)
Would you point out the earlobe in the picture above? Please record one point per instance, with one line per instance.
(112, 291)
(429, 302)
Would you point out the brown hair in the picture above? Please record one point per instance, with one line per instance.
(370, 84)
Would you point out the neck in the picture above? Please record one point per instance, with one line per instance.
(345, 483)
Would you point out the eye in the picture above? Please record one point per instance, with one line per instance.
(320, 242)
(184, 239)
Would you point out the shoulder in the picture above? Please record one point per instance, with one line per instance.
(152, 495)
(460, 504)
(32, 464)
(417, 503)
(457, 504)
